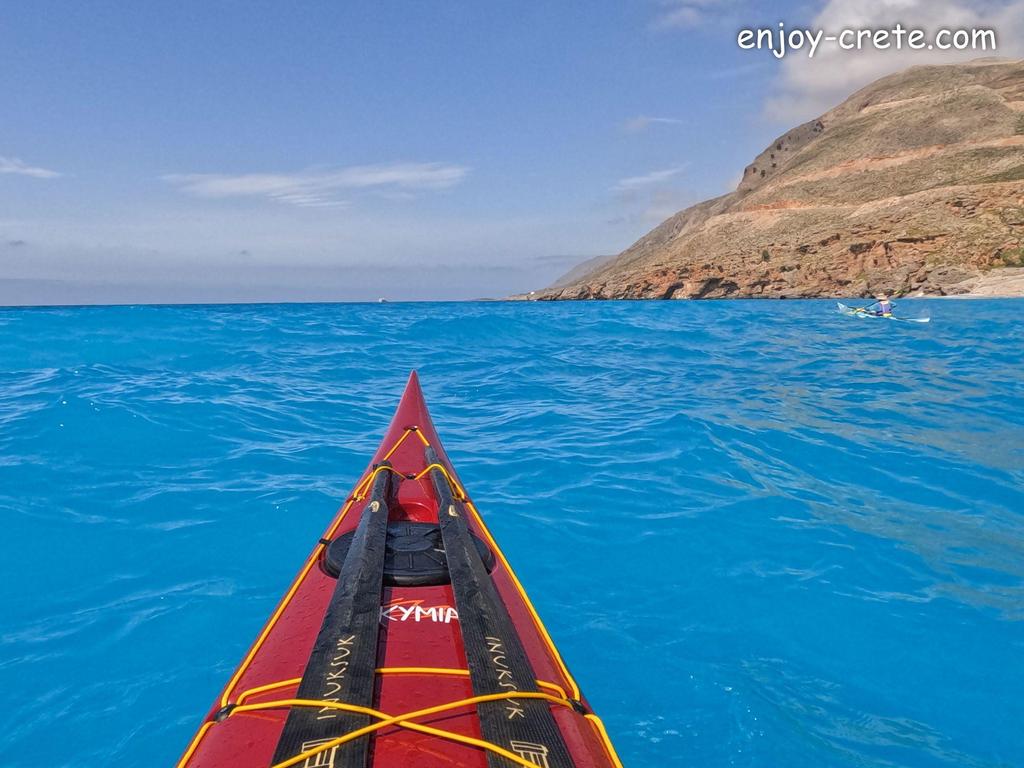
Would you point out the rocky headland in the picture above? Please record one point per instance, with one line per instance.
(914, 185)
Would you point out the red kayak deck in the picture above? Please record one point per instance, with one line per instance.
(420, 659)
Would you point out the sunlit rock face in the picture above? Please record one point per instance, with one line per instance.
(914, 184)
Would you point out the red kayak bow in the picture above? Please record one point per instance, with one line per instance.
(405, 640)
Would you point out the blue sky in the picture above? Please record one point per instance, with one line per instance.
(202, 151)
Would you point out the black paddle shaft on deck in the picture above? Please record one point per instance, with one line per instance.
(342, 666)
(494, 653)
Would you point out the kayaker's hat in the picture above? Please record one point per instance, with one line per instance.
(881, 296)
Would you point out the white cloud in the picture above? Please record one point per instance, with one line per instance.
(319, 188)
(641, 123)
(647, 199)
(808, 87)
(687, 14)
(653, 178)
(15, 166)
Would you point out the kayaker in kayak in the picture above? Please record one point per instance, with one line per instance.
(882, 307)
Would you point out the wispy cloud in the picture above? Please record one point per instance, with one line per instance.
(651, 197)
(641, 123)
(687, 14)
(318, 188)
(15, 166)
(653, 178)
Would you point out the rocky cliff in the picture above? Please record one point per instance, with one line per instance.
(915, 184)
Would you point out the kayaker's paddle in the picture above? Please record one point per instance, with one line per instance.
(494, 653)
(341, 666)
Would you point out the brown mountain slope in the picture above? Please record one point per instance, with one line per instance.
(914, 184)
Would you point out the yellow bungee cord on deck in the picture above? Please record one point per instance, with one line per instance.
(229, 709)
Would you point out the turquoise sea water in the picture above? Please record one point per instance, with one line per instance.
(762, 534)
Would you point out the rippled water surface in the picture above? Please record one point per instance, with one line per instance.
(763, 534)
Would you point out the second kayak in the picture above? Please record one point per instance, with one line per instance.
(861, 312)
(405, 640)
